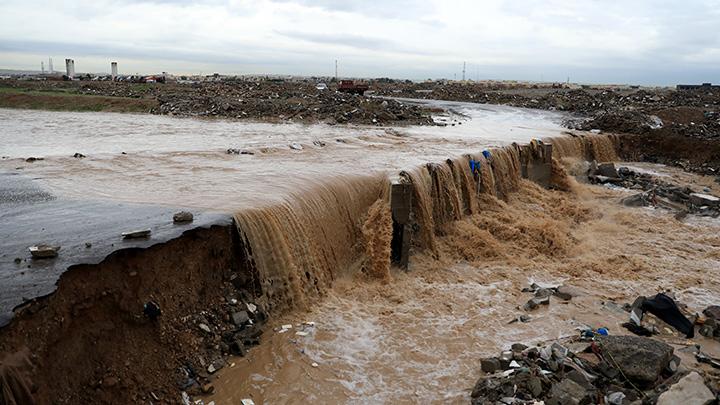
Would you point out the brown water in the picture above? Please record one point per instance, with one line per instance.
(182, 162)
(419, 338)
(316, 228)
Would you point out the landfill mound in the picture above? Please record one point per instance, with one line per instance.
(264, 100)
(674, 127)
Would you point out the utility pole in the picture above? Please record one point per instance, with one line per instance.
(463, 71)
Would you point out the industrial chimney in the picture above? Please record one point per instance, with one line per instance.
(70, 68)
(113, 70)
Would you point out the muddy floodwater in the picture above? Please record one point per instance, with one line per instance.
(418, 338)
(183, 162)
(311, 201)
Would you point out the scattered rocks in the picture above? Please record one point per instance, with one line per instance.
(234, 151)
(78, 156)
(659, 193)
(183, 216)
(490, 365)
(240, 318)
(577, 371)
(713, 312)
(535, 302)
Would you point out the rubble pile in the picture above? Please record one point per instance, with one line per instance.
(266, 100)
(594, 370)
(285, 102)
(656, 192)
(228, 328)
(620, 110)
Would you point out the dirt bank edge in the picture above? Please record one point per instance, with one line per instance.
(89, 342)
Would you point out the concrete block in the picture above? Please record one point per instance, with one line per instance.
(700, 200)
(401, 206)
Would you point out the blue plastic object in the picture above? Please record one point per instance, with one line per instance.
(486, 153)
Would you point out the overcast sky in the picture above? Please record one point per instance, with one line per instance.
(590, 41)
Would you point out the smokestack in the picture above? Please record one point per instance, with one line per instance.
(70, 68)
(113, 70)
(50, 66)
(42, 67)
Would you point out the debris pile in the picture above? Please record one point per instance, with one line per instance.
(285, 102)
(656, 192)
(262, 100)
(230, 328)
(601, 369)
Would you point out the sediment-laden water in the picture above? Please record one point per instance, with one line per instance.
(315, 227)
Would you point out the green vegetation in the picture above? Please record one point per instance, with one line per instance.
(69, 100)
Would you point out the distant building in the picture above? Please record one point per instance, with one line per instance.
(705, 86)
(113, 70)
(70, 68)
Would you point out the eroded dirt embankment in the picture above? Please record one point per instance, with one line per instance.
(89, 342)
(692, 154)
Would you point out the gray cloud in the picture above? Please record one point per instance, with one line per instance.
(644, 41)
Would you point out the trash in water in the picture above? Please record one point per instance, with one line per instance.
(247, 402)
(142, 233)
(301, 333)
(296, 146)
(314, 364)
(43, 251)
(285, 328)
(664, 308)
(704, 358)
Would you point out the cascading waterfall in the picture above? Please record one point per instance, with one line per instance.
(297, 248)
(599, 147)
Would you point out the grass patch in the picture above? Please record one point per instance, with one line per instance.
(66, 100)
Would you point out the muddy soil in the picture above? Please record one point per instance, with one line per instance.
(90, 342)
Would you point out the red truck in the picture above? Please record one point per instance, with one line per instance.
(350, 86)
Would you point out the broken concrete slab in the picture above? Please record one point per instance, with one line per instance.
(690, 390)
(141, 233)
(43, 251)
(699, 199)
(567, 392)
(640, 359)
